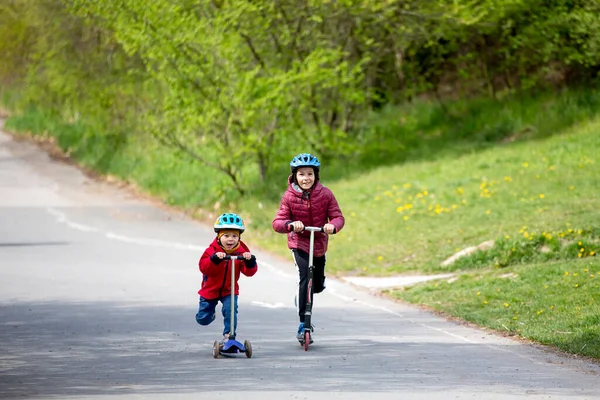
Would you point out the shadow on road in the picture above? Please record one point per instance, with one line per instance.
(102, 348)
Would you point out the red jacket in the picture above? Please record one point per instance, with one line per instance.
(216, 278)
(315, 209)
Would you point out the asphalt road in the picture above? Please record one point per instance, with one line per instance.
(98, 293)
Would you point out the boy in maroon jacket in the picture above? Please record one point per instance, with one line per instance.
(307, 202)
(216, 275)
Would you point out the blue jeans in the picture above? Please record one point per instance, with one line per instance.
(206, 312)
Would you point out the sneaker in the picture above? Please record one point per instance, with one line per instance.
(300, 335)
(225, 338)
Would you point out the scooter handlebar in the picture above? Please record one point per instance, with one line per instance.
(290, 228)
(230, 257)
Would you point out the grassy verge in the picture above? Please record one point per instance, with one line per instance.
(139, 160)
(553, 303)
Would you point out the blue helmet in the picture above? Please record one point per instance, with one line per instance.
(305, 160)
(229, 221)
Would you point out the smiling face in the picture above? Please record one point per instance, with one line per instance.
(229, 239)
(305, 177)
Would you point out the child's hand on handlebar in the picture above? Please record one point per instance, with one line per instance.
(329, 228)
(220, 254)
(247, 255)
(297, 226)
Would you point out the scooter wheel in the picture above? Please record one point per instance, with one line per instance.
(216, 349)
(248, 347)
(306, 340)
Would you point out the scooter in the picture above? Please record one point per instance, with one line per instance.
(232, 346)
(306, 337)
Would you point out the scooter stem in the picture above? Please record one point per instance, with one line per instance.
(232, 299)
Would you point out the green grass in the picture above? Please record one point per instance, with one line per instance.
(552, 303)
(411, 217)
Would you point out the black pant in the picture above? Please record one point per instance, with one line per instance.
(301, 260)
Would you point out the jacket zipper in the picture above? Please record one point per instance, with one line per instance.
(224, 281)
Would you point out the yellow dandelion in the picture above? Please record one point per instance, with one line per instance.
(478, 293)
(507, 178)
(571, 187)
(526, 164)
(592, 253)
(566, 273)
(485, 302)
(406, 185)
(425, 192)
(406, 217)
(507, 237)
(379, 258)
(488, 212)
(400, 209)
(542, 195)
(506, 305)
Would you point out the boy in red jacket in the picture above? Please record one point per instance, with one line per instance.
(307, 202)
(216, 275)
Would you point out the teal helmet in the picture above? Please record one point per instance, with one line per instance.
(229, 221)
(305, 160)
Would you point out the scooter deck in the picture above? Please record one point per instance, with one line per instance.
(232, 346)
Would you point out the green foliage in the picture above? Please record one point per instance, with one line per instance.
(240, 87)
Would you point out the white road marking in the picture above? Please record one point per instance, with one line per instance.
(268, 305)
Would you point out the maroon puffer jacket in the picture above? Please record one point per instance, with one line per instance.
(314, 208)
